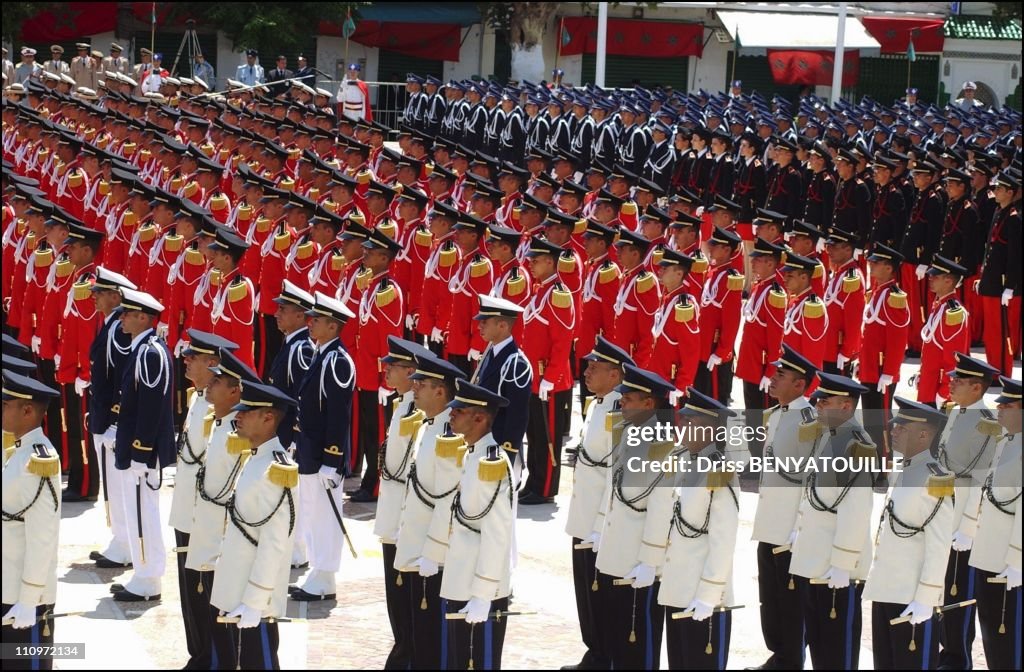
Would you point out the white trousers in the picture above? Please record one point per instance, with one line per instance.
(323, 535)
(148, 572)
(117, 549)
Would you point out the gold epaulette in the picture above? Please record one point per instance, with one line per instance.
(130, 219)
(42, 258)
(76, 178)
(516, 285)
(176, 183)
(851, 283)
(448, 257)
(191, 189)
(479, 267)
(338, 261)
(238, 290)
(700, 265)
(566, 262)
(174, 243)
(862, 450)
(330, 206)
(147, 232)
(494, 469)
(64, 267)
(263, 224)
(44, 462)
(363, 177)
(660, 450)
(628, 208)
(283, 473)
(819, 271)
(82, 290)
(768, 413)
(734, 282)
(989, 427)
(386, 295)
(282, 241)
(645, 282)
(608, 272)
(940, 486)
(685, 312)
(208, 420)
(193, 257)
(428, 168)
(777, 298)
(215, 276)
(218, 202)
(236, 445)
(294, 153)
(389, 228)
(128, 148)
(305, 250)
(955, 315)
(896, 299)
(611, 419)
(423, 238)
(286, 184)
(718, 479)
(657, 255)
(410, 423)
(561, 298)
(580, 227)
(809, 431)
(104, 187)
(448, 447)
(363, 278)
(813, 307)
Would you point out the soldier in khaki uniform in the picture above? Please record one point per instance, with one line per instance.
(115, 62)
(911, 545)
(635, 532)
(56, 65)
(832, 550)
(966, 448)
(790, 433)
(696, 578)
(478, 567)
(250, 581)
(997, 543)
(31, 520)
(395, 461)
(586, 513)
(84, 67)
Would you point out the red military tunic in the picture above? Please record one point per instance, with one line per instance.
(301, 259)
(274, 251)
(636, 302)
(326, 273)
(72, 187)
(886, 321)
(435, 304)
(548, 325)
(37, 271)
(945, 332)
(677, 339)
(58, 284)
(409, 265)
(233, 313)
(601, 281)
(720, 312)
(205, 292)
(350, 292)
(764, 317)
(380, 315)
(79, 323)
(514, 284)
(120, 226)
(144, 238)
(844, 301)
(474, 276)
(180, 300)
(805, 326)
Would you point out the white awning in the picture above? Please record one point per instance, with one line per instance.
(773, 30)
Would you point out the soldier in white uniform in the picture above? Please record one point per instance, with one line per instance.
(791, 432)
(911, 546)
(478, 569)
(352, 94)
(635, 533)
(250, 581)
(997, 543)
(422, 542)
(223, 458)
(697, 575)
(31, 520)
(395, 461)
(586, 517)
(202, 353)
(832, 550)
(966, 448)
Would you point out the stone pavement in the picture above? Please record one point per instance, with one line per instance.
(353, 633)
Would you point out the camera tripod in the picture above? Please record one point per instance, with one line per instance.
(189, 41)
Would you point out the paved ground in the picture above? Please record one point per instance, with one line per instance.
(354, 632)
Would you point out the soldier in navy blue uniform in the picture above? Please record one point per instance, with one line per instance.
(323, 443)
(293, 359)
(435, 107)
(107, 355)
(560, 138)
(144, 442)
(476, 121)
(786, 185)
(512, 141)
(504, 370)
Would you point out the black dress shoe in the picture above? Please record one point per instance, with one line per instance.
(766, 665)
(129, 596)
(116, 587)
(302, 596)
(362, 495)
(304, 565)
(72, 496)
(95, 555)
(292, 588)
(104, 562)
(532, 498)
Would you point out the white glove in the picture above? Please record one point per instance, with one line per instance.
(920, 271)
(792, 537)
(699, 212)
(328, 477)
(884, 381)
(247, 616)
(713, 361)
(701, 610)
(545, 387)
(642, 575)
(1005, 298)
(427, 567)
(162, 329)
(410, 321)
(674, 396)
(382, 395)
(475, 355)
(1011, 575)
(594, 540)
(962, 542)
(841, 361)
(180, 347)
(436, 335)
(476, 610)
(837, 578)
(918, 612)
(110, 435)
(36, 342)
(765, 383)
(81, 386)
(139, 470)
(56, 361)
(24, 615)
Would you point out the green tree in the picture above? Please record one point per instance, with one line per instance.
(17, 13)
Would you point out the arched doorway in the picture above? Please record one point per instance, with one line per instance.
(984, 93)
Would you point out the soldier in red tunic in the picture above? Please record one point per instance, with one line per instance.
(999, 286)
(946, 331)
(234, 305)
(637, 300)
(676, 323)
(512, 278)
(844, 301)
(601, 279)
(435, 302)
(806, 318)
(474, 275)
(416, 241)
(719, 318)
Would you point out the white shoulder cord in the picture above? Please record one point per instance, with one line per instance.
(142, 368)
(329, 361)
(512, 373)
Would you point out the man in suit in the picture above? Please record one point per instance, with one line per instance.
(279, 72)
(504, 370)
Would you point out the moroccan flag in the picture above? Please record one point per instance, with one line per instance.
(632, 37)
(349, 27)
(812, 67)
